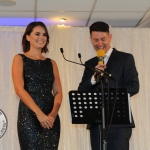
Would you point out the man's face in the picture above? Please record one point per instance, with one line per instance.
(101, 40)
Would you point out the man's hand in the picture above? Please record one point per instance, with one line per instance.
(101, 66)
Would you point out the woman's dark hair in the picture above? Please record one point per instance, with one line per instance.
(29, 29)
(99, 26)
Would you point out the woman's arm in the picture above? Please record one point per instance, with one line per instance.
(57, 91)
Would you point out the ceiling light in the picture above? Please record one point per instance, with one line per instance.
(7, 2)
(62, 19)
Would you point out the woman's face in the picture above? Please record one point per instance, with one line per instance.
(37, 38)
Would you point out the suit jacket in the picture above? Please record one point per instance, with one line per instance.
(122, 67)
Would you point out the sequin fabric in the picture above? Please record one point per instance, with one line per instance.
(38, 81)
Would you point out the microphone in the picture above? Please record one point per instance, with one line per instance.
(62, 51)
(79, 55)
(101, 73)
(100, 55)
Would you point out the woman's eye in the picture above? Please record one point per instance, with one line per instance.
(37, 34)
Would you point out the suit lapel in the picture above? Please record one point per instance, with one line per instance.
(94, 62)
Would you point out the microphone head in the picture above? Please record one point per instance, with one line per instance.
(61, 50)
(100, 55)
(79, 55)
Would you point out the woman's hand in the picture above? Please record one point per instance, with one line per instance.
(45, 121)
(52, 118)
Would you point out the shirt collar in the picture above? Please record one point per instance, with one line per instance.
(109, 53)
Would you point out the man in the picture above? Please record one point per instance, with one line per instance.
(122, 66)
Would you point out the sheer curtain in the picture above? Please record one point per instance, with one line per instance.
(76, 40)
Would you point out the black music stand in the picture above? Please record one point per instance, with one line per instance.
(86, 106)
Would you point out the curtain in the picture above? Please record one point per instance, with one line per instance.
(76, 40)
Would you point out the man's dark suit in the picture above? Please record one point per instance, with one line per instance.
(122, 66)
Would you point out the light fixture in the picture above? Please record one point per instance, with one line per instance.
(62, 19)
(62, 25)
(7, 2)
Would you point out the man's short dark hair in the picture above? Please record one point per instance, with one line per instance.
(99, 26)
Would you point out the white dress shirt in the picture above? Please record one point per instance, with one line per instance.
(107, 55)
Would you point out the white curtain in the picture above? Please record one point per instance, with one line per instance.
(76, 40)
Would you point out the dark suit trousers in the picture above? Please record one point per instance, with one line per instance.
(118, 138)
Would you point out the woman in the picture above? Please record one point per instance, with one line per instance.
(37, 83)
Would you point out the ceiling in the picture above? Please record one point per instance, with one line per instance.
(117, 13)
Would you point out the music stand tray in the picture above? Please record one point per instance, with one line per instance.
(86, 106)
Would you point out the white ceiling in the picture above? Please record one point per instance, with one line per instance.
(117, 13)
